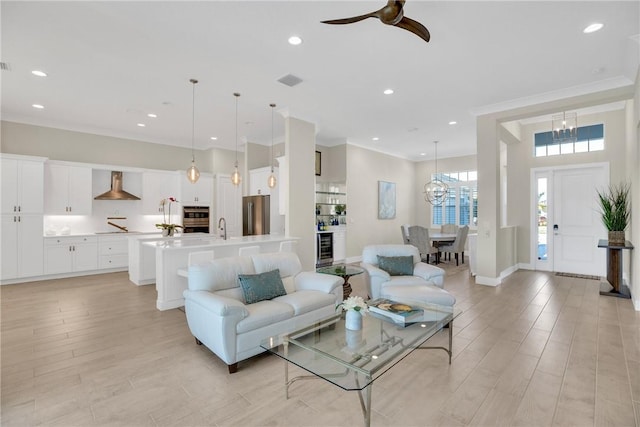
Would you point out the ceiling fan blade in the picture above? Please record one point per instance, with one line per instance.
(415, 27)
(350, 20)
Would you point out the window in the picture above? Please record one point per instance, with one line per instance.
(461, 205)
(590, 138)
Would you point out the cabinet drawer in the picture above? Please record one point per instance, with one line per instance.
(113, 248)
(71, 240)
(114, 261)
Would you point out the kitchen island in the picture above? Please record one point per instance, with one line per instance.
(172, 255)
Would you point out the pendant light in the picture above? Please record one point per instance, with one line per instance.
(435, 191)
(236, 179)
(193, 173)
(271, 181)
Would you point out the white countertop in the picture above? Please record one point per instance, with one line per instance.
(177, 242)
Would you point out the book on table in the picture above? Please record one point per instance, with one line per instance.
(396, 311)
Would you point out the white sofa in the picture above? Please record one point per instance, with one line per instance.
(425, 284)
(219, 318)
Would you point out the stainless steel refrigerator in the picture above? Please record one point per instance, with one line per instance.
(255, 215)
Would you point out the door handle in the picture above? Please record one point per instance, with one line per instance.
(555, 229)
(250, 218)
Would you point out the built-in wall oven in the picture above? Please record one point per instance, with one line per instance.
(324, 249)
(195, 219)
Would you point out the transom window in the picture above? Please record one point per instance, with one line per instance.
(461, 205)
(590, 138)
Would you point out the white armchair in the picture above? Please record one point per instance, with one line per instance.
(425, 284)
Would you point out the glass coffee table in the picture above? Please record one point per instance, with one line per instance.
(353, 360)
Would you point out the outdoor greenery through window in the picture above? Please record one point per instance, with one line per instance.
(590, 138)
(461, 205)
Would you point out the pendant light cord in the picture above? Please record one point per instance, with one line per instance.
(272, 107)
(193, 118)
(237, 95)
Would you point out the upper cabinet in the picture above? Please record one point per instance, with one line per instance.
(157, 186)
(198, 194)
(67, 189)
(258, 182)
(22, 186)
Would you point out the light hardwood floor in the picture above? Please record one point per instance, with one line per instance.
(538, 350)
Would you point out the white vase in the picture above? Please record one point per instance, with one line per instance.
(354, 338)
(353, 320)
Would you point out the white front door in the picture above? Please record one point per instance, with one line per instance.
(577, 224)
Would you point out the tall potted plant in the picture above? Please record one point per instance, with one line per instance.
(615, 210)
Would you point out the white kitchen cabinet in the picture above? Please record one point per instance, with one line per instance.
(70, 254)
(157, 185)
(339, 245)
(22, 246)
(198, 194)
(113, 251)
(22, 186)
(68, 189)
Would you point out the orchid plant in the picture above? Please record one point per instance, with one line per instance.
(355, 303)
(166, 215)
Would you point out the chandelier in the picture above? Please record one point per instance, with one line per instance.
(564, 127)
(435, 191)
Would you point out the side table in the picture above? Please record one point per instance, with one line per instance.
(614, 268)
(344, 271)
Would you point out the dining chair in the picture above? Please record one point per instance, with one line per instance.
(449, 228)
(419, 237)
(458, 244)
(288, 246)
(249, 250)
(199, 257)
(404, 228)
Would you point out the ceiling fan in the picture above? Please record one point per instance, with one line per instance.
(391, 14)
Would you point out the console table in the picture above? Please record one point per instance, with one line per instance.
(614, 268)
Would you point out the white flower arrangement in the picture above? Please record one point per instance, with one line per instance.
(355, 303)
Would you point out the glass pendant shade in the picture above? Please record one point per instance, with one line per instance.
(236, 179)
(193, 173)
(271, 181)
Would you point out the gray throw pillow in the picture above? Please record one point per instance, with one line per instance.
(260, 287)
(396, 265)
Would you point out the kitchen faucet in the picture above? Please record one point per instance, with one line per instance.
(223, 227)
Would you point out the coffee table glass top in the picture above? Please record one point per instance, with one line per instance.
(354, 359)
(340, 270)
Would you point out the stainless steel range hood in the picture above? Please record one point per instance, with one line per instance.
(116, 192)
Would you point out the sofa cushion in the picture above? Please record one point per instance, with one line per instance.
(428, 294)
(307, 301)
(264, 313)
(261, 286)
(396, 265)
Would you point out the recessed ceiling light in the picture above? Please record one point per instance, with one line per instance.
(215, 138)
(39, 73)
(375, 138)
(153, 116)
(453, 122)
(593, 28)
(38, 106)
(141, 125)
(295, 40)
(423, 154)
(388, 91)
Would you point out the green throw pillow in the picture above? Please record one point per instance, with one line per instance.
(396, 265)
(260, 287)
